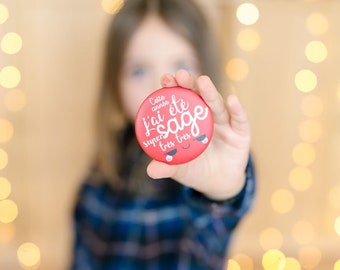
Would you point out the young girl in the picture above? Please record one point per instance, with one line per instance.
(137, 213)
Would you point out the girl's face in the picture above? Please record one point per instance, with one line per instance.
(153, 50)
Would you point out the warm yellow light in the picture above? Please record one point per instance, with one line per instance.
(312, 106)
(316, 51)
(112, 6)
(233, 265)
(28, 254)
(338, 92)
(337, 225)
(300, 178)
(15, 100)
(5, 188)
(10, 77)
(271, 238)
(244, 261)
(247, 13)
(6, 130)
(305, 80)
(3, 13)
(337, 265)
(303, 154)
(237, 69)
(291, 264)
(8, 211)
(310, 131)
(317, 24)
(3, 159)
(303, 232)
(282, 201)
(333, 197)
(248, 40)
(309, 257)
(273, 259)
(7, 232)
(11, 43)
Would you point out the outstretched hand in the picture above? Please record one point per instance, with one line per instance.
(219, 172)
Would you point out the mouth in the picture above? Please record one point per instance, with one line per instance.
(186, 147)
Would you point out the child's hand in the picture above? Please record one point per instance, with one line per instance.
(219, 172)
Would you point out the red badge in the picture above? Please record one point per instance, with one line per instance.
(174, 125)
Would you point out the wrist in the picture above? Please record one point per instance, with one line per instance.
(233, 191)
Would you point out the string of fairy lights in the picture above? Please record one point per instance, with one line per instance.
(13, 101)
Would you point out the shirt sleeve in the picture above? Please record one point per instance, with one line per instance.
(213, 222)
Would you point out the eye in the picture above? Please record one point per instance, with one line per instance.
(138, 71)
(169, 156)
(172, 152)
(203, 139)
(186, 65)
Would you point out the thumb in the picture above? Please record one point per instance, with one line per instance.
(158, 170)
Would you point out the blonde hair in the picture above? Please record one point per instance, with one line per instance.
(184, 17)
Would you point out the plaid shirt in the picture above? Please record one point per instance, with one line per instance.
(178, 230)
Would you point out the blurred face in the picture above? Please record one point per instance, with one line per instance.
(153, 50)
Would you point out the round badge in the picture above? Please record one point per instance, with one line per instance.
(174, 125)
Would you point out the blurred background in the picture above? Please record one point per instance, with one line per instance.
(281, 57)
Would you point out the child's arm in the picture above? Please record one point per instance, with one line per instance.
(219, 172)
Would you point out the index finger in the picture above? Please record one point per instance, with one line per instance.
(214, 99)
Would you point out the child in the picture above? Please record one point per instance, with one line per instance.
(134, 213)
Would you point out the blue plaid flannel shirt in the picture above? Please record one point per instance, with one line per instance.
(181, 231)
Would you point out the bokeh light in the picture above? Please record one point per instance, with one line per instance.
(310, 131)
(282, 201)
(291, 264)
(271, 238)
(6, 130)
(3, 159)
(305, 80)
(15, 100)
(303, 154)
(8, 211)
(237, 69)
(28, 254)
(303, 232)
(11, 43)
(247, 13)
(273, 259)
(300, 178)
(10, 77)
(248, 39)
(316, 51)
(112, 6)
(312, 106)
(333, 197)
(309, 257)
(337, 265)
(5, 188)
(317, 24)
(233, 265)
(337, 225)
(3, 13)
(244, 261)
